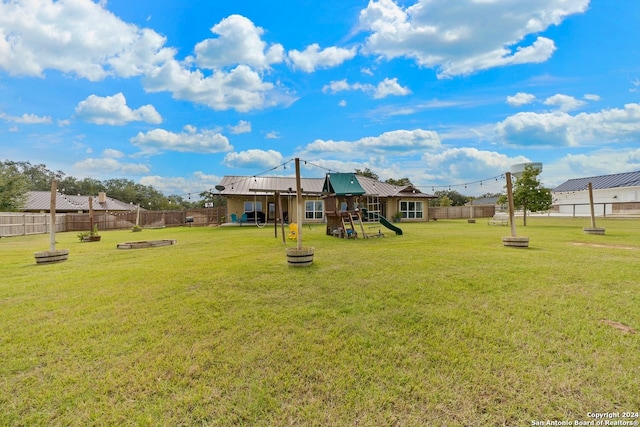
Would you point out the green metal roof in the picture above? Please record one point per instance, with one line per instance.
(342, 184)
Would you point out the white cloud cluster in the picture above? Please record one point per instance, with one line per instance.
(387, 87)
(467, 36)
(562, 129)
(113, 110)
(520, 99)
(74, 36)
(189, 141)
(313, 58)
(243, 126)
(109, 166)
(198, 181)
(399, 142)
(27, 119)
(467, 164)
(564, 102)
(253, 159)
(238, 42)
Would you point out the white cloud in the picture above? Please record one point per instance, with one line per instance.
(82, 38)
(592, 97)
(459, 41)
(564, 102)
(599, 162)
(389, 87)
(159, 140)
(112, 153)
(186, 187)
(342, 103)
(520, 98)
(27, 119)
(109, 166)
(239, 42)
(457, 165)
(272, 135)
(75, 36)
(243, 126)
(241, 88)
(562, 129)
(399, 142)
(113, 110)
(313, 58)
(342, 85)
(385, 88)
(253, 159)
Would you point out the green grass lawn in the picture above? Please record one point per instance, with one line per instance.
(440, 326)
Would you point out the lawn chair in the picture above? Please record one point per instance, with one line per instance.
(293, 231)
(243, 218)
(234, 217)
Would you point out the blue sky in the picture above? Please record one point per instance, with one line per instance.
(177, 94)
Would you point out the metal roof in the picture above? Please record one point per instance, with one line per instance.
(628, 179)
(249, 185)
(41, 201)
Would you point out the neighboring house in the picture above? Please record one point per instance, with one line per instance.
(248, 194)
(40, 201)
(612, 194)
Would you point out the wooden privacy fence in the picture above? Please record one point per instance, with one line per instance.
(20, 224)
(461, 212)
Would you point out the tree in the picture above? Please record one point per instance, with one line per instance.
(13, 188)
(529, 194)
(402, 182)
(453, 198)
(368, 173)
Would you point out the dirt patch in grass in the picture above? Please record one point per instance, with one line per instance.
(599, 245)
(619, 326)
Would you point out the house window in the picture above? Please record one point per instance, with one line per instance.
(249, 207)
(411, 209)
(313, 209)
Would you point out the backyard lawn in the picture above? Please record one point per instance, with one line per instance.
(441, 326)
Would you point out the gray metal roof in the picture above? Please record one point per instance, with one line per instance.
(249, 185)
(628, 179)
(41, 201)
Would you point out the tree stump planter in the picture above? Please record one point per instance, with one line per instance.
(302, 257)
(515, 242)
(471, 221)
(51, 257)
(593, 230)
(91, 238)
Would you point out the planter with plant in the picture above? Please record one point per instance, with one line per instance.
(397, 217)
(90, 236)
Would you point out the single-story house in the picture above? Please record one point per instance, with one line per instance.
(40, 201)
(612, 194)
(258, 196)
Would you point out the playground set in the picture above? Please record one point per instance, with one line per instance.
(347, 208)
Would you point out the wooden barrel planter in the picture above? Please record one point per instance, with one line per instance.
(515, 242)
(302, 257)
(50, 257)
(146, 244)
(593, 230)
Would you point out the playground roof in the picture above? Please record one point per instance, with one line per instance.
(342, 184)
(628, 179)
